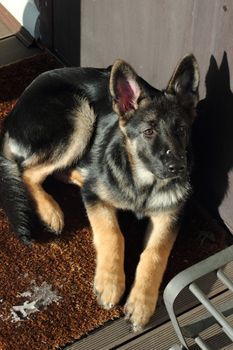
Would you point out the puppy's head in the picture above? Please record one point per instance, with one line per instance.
(157, 124)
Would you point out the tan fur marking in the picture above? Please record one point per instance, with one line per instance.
(68, 176)
(75, 177)
(6, 148)
(12, 150)
(153, 261)
(141, 175)
(109, 280)
(84, 119)
(47, 208)
(63, 156)
(122, 123)
(84, 125)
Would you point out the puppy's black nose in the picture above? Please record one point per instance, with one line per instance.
(176, 168)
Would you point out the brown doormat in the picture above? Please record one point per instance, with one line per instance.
(46, 298)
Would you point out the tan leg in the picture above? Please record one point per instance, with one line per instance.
(47, 208)
(142, 300)
(109, 280)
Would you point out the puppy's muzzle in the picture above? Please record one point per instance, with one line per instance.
(176, 165)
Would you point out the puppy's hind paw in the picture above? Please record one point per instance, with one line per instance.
(53, 218)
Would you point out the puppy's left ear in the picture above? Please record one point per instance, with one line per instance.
(184, 82)
(124, 88)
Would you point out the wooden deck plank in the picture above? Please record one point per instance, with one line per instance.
(116, 334)
(163, 337)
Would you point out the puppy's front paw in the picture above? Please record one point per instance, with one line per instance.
(109, 287)
(139, 308)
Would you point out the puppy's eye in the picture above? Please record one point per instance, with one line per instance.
(149, 132)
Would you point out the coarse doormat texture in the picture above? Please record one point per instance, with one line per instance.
(46, 291)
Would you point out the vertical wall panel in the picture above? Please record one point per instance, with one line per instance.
(154, 34)
(66, 30)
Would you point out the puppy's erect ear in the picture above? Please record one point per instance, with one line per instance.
(184, 82)
(124, 88)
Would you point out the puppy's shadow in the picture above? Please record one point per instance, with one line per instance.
(213, 138)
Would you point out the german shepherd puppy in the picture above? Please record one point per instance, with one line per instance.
(126, 144)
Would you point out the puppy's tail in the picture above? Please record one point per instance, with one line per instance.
(15, 199)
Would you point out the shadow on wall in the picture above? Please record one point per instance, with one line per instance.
(213, 138)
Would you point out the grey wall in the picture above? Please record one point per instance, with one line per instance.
(154, 34)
